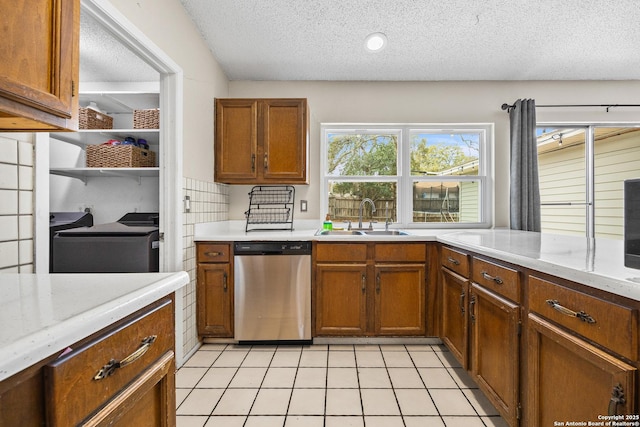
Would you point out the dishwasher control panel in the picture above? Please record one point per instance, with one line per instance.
(272, 248)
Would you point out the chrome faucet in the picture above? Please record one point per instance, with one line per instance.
(373, 209)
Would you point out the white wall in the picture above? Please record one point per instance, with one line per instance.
(166, 23)
(435, 102)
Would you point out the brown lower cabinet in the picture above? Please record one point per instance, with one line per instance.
(70, 390)
(570, 379)
(369, 289)
(495, 349)
(454, 330)
(543, 351)
(341, 299)
(214, 290)
(481, 325)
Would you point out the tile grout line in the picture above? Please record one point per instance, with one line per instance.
(442, 359)
(355, 361)
(393, 389)
(195, 386)
(427, 388)
(446, 364)
(286, 415)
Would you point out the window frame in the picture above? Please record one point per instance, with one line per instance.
(404, 180)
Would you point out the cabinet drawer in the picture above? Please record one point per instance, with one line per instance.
(341, 252)
(610, 325)
(500, 279)
(400, 252)
(213, 252)
(455, 260)
(73, 387)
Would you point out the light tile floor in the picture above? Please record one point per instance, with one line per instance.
(328, 386)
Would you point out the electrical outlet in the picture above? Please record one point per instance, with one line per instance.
(303, 205)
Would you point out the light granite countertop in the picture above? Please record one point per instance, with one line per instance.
(598, 263)
(41, 314)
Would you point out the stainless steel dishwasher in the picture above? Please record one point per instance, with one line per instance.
(272, 284)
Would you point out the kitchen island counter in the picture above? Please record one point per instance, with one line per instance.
(41, 314)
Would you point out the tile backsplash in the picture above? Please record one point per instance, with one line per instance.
(209, 202)
(16, 202)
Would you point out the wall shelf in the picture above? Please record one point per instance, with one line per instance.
(84, 174)
(98, 136)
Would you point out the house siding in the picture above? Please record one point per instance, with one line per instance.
(562, 179)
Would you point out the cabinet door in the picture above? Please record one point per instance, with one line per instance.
(455, 290)
(284, 133)
(149, 400)
(236, 144)
(215, 300)
(39, 65)
(569, 379)
(341, 299)
(400, 299)
(495, 349)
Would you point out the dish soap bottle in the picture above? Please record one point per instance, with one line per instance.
(327, 224)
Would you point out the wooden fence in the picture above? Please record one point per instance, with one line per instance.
(424, 210)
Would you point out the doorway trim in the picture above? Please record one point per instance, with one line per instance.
(170, 156)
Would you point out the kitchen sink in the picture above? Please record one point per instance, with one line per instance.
(361, 233)
(339, 233)
(386, 233)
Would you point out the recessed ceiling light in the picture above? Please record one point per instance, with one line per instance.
(375, 42)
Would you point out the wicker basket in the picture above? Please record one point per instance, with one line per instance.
(91, 119)
(119, 156)
(146, 119)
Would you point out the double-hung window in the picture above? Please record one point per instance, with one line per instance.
(416, 175)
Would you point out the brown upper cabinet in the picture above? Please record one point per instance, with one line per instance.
(261, 141)
(39, 65)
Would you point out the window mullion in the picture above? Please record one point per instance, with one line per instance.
(589, 156)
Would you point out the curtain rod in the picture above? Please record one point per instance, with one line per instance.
(607, 106)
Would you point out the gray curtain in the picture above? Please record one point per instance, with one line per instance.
(525, 188)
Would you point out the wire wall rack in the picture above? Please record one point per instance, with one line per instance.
(270, 208)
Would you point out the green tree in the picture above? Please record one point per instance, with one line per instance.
(431, 159)
(363, 155)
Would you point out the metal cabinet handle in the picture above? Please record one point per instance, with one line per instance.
(113, 364)
(364, 283)
(213, 253)
(253, 163)
(617, 398)
(472, 312)
(378, 283)
(266, 162)
(453, 261)
(224, 282)
(462, 302)
(496, 279)
(567, 312)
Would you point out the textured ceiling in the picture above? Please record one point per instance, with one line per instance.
(104, 59)
(427, 39)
